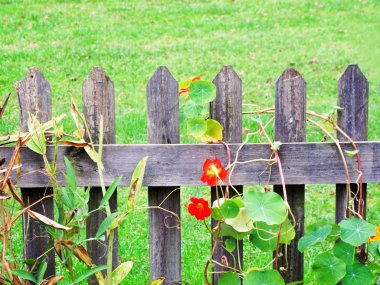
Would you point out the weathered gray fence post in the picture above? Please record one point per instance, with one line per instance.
(227, 110)
(99, 100)
(353, 120)
(290, 121)
(164, 228)
(34, 97)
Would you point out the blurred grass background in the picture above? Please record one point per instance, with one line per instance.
(129, 39)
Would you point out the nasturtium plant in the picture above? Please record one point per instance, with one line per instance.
(318, 234)
(266, 277)
(264, 236)
(266, 207)
(195, 97)
(357, 274)
(345, 252)
(229, 209)
(230, 244)
(229, 278)
(356, 231)
(328, 269)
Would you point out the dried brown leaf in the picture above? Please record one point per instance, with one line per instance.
(52, 280)
(80, 143)
(45, 220)
(79, 251)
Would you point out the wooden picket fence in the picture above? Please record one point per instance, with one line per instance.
(171, 165)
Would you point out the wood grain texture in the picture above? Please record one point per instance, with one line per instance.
(99, 100)
(34, 96)
(227, 110)
(290, 126)
(353, 120)
(164, 228)
(173, 165)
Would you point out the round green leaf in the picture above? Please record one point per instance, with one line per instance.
(318, 234)
(328, 269)
(202, 92)
(229, 278)
(358, 274)
(196, 127)
(230, 244)
(265, 207)
(356, 231)
(265, 236)
(345, 252)
(214, 132)
(229, 209)
(267, 277)
(193, 110)
(241, 223)
(229, 231)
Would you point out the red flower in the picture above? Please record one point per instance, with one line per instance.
(199, 208)
(212, 170)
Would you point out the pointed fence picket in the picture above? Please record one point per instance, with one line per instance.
(303, 163)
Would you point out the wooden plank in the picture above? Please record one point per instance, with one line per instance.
(290, 125)
(227, 110)
(164, 228)
(99, 100)
(353, 120)
(172, 165)
(34, 96)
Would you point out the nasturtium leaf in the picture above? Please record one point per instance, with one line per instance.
(265, 236)
(356, 231)
(229, 209)
(214, 132)
(230, 244)
(374, 248)
(345, 252)
(229, 278)
(335, 233)
(265, 207)
(194, 110)
(328, 269)
(185, 84)
(228, 231)
(241, 223)
(239, 201)
(216, 214)
(196, 127)
(24, 275)
(357, 274)
(318, 234)
(267, 277)
(202, 92)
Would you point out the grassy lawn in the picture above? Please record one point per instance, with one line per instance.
(129, 39)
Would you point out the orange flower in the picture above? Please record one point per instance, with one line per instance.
(212, 170)
(376, 237)
(199, 208)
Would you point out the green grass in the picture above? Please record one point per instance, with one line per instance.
(129, 39)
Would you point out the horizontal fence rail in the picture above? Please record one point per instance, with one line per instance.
(181, 165)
